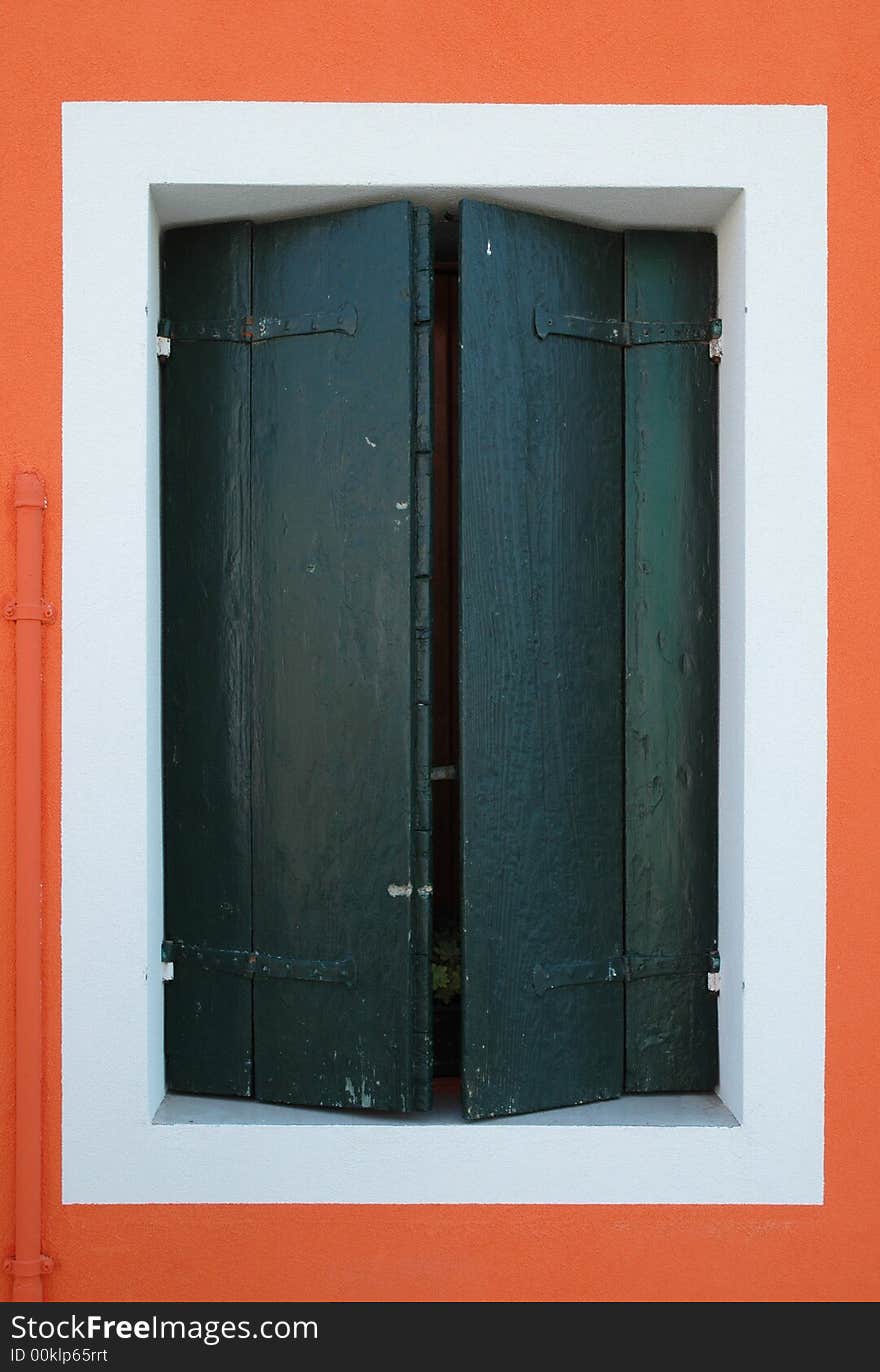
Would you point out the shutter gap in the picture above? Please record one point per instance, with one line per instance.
(447, 896)
(625, 592)
(251, 713)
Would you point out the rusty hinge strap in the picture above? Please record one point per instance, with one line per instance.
(45, 612)
(625, 333)
(260, 966)
(344, 319)
(624, 967)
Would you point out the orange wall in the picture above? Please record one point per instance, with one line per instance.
(546, 51)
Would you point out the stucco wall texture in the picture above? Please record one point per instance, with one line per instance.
(644, 51)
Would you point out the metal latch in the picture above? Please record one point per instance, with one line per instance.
(256, 966)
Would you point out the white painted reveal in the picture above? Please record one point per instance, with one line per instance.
(756, 175)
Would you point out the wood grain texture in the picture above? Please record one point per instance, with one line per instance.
(206, 677)
(341, 802)
(672, 663)
(541, 642)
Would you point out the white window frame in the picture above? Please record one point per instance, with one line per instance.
(757, 176)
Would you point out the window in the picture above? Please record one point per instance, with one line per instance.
(141, 167)
(297, 633)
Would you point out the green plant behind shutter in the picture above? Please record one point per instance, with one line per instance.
(206, 678)
(341, 669)
(541, 635)
(672, 665)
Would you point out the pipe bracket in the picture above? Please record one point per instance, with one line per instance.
(45, 612)
(29, 1267)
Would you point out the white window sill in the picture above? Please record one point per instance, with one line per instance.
(696, 1111)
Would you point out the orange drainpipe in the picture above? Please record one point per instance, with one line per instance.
(28, 612)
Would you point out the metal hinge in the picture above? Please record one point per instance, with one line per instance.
(626, 967)
(249, 329)
(256, 966)
(628, 333)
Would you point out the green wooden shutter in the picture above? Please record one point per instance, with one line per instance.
(541, 664)
(588, 719)
(335, 680)
(672, 668)
(205, 658)
(296, 661)
(341, 739)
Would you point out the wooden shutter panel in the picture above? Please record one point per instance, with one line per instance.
(337, 674)
(541, 648)
(341, 740)
(672, 666)
(205, 656)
